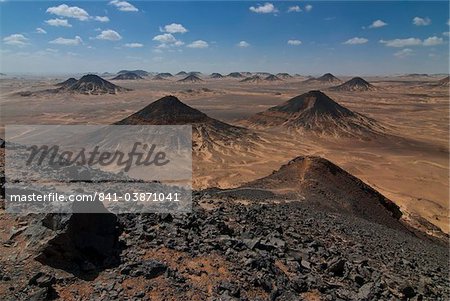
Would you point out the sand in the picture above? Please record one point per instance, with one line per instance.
(412, 170)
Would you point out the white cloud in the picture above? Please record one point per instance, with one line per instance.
(51, 50)
(295, 9)
(356, 41)
(133, 45)
(166, 38)
(447, 33)
(67, 42)
(58, 22)
(109, 35)
(174, 28)
(198, 44)
(433, 41)
(267, 8)
(69, 11)
(40, 30)
(16, 40)
(308, 7)
(421, 21)
(378, 24)
(402, 42)
(243, 44)
(294, 42)
(448, 22)
(404, 53)
(123, 5)
(101, 19)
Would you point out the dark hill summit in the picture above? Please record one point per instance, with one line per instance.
(255, 79)
(93, 85)
(316, 112)
(355, 84)
(272, 78)
(165, 74)
(191, 78)
(327, 78)
(181, 73)
(67, 83)
(209, 135)
(216, 75)
(235, 75)
(127, 76)
(284, 75)
(159, 77)
(141, 73)
(327, 185)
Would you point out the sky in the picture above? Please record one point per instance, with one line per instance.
(304, 37)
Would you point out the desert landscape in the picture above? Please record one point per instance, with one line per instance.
(314, 165)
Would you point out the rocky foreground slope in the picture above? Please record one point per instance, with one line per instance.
(249, 243)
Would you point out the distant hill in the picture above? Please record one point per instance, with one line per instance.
(355, 84)
(272, 78)
(235, 75)
(317, 113)
(127, 76)
(141, 73)
(216, 75)
(284, 75)
(255, 79)
(191, 79)
(92, 84)
(327, 78)
(67, 83)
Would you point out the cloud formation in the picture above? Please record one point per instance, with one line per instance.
(356, 41)
(133, 45)
(243, 44)
(40, 30)
(101, 19)
(198, 44)
(295, 9)
(404, 53)
(167, 40)
(109, 35)
(123, 6)
(267, 8)
(308, 7)
(433, 41)
(402, 42)
(174, 28)
(58, 22)
(64, 10)
(294, 42)
(67, 42)
(378, 24)
(16, 40)
(418, 21)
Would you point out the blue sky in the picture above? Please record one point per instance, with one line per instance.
(355, 37)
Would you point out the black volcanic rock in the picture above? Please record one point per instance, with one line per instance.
(327, 185)
(235, 75)
(216, 75)
(272, 78)
(208, 133)
(327, 78)
(316, 112)
(355, 84)
(190, 79)
(181, 73)
(93, 85)
(127, 76)
(141, 73)
(252, 79)
(67, 83)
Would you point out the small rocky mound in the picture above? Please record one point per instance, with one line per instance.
(255, 79)
(141, 73)
(165, 74)
(208, 134)
(127, 76)
(235, 75)
(272, 78)
(94, 85)
(284, 75)
(355, 84)
(327, 78)
(216, 75)
(67, 83)
(327, 185)
(191, 79)
(316, 112)
(181, 73)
